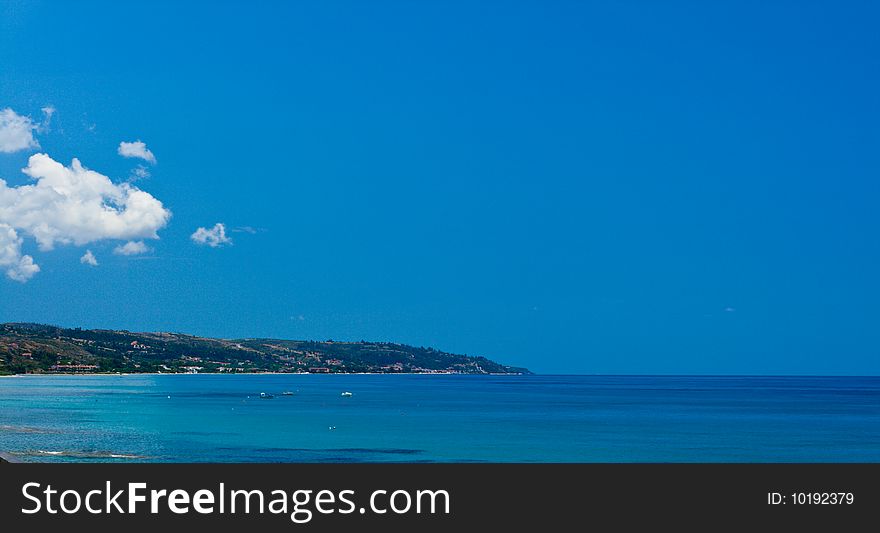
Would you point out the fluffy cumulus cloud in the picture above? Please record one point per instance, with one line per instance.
(131, 248)
(16, 132)
(213, 237)
(71, 205)
(136, 149)
(89, 258)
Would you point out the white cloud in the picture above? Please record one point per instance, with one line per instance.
(18, 267)
(131, 248)
(89, 259)
(213, 237)
(72, 205)
(136, 149)
(75, 205)
(24, 270)
(16, 132)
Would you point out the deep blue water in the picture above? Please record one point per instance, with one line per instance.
(409, 418)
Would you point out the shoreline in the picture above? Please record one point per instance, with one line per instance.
(86, 374)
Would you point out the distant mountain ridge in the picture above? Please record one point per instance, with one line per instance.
(38, 348)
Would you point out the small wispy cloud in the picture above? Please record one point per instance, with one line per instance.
(138, 173)
(247, 229)
(131, 248)
(214, 237)
(729, 310)
(136, 149)
(48, 113)
(88, 258)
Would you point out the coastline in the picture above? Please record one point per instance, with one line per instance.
(97, 351)
(86, 374)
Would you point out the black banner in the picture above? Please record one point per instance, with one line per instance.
(435, 497)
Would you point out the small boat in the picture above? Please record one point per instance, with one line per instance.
(347, 394)
(287, 393)
(266, 396)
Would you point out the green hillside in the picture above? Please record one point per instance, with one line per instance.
(35, 348)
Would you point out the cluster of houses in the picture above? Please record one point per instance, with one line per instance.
(74, 368)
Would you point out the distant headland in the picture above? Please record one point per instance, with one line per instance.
(42, 349)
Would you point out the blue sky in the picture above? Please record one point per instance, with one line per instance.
(605, 187)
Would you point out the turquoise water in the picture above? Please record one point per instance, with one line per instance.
(410, 418)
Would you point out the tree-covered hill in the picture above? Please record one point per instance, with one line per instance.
(36, 348)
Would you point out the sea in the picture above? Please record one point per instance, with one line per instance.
(439, 418)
